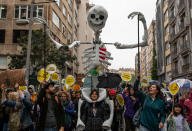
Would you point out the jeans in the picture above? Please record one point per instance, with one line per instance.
(51, 129)
(142, 128)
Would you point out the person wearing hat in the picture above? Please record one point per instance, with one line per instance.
(50, 109)
(118, 110)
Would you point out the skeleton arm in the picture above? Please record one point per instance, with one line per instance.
(77, 43)
(145, 38)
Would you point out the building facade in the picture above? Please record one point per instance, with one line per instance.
(123, 70)
(180, 26)
(57, 15)
(67, 20)
(147, 52)
(162, 40)
(84, 34)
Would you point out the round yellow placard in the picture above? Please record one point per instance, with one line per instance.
(120, 100)
(173, 88)
(69, 80)
(126, 76)
(23, 88)
(54, 77)
(51, 68)
(41, 77)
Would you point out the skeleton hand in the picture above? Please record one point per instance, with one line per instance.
(141, 16)
(117, 45)
(75, 43)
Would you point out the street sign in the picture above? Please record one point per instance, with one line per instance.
(173, 88)
(126, 77)
(40, 75)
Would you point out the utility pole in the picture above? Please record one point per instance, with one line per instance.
(29, 43)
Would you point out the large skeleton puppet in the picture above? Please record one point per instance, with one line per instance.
(96, 58)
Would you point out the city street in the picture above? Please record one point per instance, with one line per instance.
(95, 65)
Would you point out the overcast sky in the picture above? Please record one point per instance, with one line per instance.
(121, 29)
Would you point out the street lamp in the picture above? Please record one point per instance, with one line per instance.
(29, 37)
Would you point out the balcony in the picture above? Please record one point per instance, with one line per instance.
(170, 2)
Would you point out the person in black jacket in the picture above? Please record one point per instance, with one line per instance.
(94, 114)
(50, 109)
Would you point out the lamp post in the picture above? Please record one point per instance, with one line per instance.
(29, 43)
(30, 22)
(138, 49)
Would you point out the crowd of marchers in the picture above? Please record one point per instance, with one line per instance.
(49, 108)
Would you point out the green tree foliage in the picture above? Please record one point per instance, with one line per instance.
(154, 66)
(53, 55)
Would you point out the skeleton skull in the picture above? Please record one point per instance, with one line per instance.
(97, 17)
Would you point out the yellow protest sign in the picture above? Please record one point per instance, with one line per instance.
(64, 88)
(40, 75)
(23, 88)
(69, 80)
(83, 80)
(51, 68)
(99, 68)
(126, 76)
(173, 88)
(54, 77)
(145, 81)
(76, 87)
(120, 100)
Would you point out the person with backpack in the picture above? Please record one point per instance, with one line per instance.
(68, 111)
(50, 109)
(95, 113)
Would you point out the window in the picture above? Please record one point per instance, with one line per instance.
(64, 30)
(3, 11)
(23, 12)
(64, 10)
(175, 48)
(3, 61)
(186, 60)
(69, 38)
(69, 19)
(18, 34)
(166, 30)
(37, 11)
(166, 15)
(2, 36)
(167, 45)
(168, 60)
(70, 4)
(55, 19)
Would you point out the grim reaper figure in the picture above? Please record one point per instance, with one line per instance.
(96, 62)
